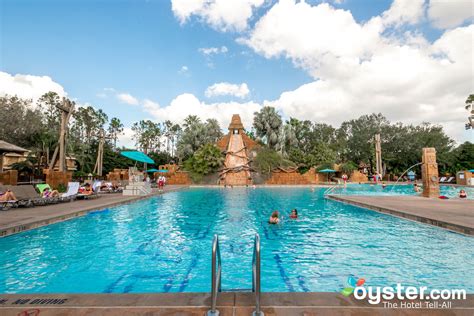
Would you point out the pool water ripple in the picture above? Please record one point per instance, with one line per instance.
(163, 244)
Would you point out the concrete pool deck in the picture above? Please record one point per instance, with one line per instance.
(454, 214)
(227, 303)
(17, 220)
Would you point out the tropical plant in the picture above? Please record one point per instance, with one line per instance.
(268, 159)
(204, 161)
(267, 124)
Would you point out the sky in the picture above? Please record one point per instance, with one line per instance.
(327, 61)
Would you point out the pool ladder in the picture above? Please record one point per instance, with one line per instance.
(216, 276)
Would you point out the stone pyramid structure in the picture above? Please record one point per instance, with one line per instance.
(239, 150)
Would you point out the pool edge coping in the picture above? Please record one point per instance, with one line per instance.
(20, 228)
(452, 227)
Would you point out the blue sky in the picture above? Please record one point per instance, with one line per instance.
(140, 48)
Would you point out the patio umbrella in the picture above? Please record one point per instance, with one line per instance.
(163, 170)
(152, 170)
(328, 171)
(137, 156)
(471, 170)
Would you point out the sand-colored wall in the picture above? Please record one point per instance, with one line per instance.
(465, 180)
(9, 177)
(57, 178)
(294, 177)
(357, 176)
(178, 177)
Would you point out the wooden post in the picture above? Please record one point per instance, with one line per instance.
(378, 155)
(67, 109)
(429, 173)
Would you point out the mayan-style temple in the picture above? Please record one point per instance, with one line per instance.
(239, 149)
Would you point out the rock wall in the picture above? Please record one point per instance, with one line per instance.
(57, 178)
(9, 177)
(357, 176)
(280, 177)
(179, 177)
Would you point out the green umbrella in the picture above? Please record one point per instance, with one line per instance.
(152, 170)
(328, 171)
(137, 156)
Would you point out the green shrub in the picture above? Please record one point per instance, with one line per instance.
(205, 160)
(268, 159)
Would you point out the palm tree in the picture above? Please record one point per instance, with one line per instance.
(267, 124)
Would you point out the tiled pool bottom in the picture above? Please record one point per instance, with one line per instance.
(163, 245)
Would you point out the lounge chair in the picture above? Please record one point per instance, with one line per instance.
(94, 194)
(450, 180)
(442, 179)
(6, 205)
(26, 195)
(43, 186)
(72, 191)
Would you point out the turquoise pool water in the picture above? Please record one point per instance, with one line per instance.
(399, 189)
(163, 244)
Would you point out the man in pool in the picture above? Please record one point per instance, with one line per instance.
(274, 218)
(294, 213)
(462, 194)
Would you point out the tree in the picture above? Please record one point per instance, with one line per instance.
(470, 107)
(204, 161)
(268, 159)
(267, 124)
(23, 123)
(147, 135)
(359, 137)
(115, 129)
(196, 134)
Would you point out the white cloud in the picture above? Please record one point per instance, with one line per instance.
(404, 83)
(404, 11)
(183, 70)
(28, 86)
(126, 138)
(225, 88)
(313, 36)
(127, 98)
(359, 69)
(449, 14)
(213, 50)
(224, 15)
(187, 104)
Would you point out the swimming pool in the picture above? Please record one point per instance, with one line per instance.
(163, 244)
(398, 189)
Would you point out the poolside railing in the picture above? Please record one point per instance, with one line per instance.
(256, 275)
(216, 276)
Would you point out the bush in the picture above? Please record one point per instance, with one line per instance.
(348, 167)
(205, 160)
(268, 159)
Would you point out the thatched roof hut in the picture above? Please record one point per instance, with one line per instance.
(10, 148)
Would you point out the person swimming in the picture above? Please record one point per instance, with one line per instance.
(384, 185)
(416, 187)
(274, 218)
(462, 194)
(294, 213)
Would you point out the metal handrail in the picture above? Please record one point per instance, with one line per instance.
(329, 190)
(216, 276)
(256, 275)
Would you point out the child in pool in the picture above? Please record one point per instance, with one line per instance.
(274, 218)
(294, 213)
